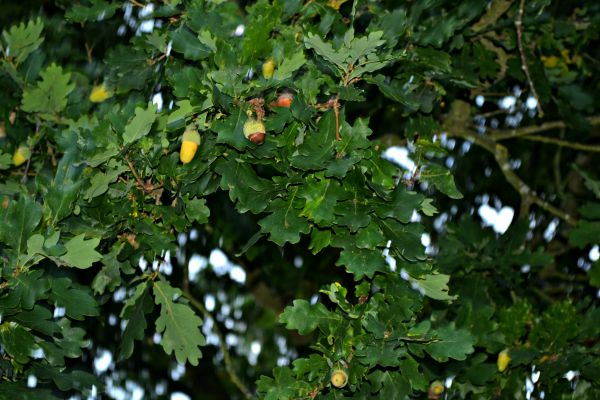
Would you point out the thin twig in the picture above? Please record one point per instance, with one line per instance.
(503, 134)
(564, 143)
(36, 136)
(335, 104)
(519, 28)
(257, 104)
(222, 344)
(134, 172)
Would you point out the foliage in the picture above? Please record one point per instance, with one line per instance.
(100, 228)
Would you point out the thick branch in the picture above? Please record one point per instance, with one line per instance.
(455, 126)
(222, 344)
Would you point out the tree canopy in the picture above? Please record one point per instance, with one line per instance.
(299, 199)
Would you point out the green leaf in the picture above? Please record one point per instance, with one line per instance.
(140, 124)
(134, 311)
(317, 148)
(18, 221)
(319, 240)
(99, 10)
(76, 379)
(39, 319)
(196, 210)
(406, 239)
(451, 343)
(78, 303)
(20, 390)
(80, 252)
(185, 42)
(263, 16)
(100, 181)
(49, 96)
(22, 40)
(305, 317)
(390, 384)
(441, 178)
(386, 353)
(401, 205)
(557, 325)
(434, 286)
(244, 186)
(177, 119)
(16, 341)
(178, 325)
(514, 321)
(362, 262)
(284, 224)
(288, 66)
(25, 289)
(325, 50)
(584, 233)
(320, 197)
(110, 274)
(591, 182)
(231, 130)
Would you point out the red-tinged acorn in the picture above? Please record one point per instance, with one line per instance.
(254, 131)
(285, 100)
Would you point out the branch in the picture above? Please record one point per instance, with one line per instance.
(222, 345)
(519, 27)
(528, 130)
(564, 143)
(454, 126)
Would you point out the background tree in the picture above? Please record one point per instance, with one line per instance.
(347, 256)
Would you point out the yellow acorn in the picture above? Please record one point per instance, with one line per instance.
(339, 378)
(22, 154)
(435, 390)
(503, 360)
(336, 4)
(268, 68)
(99, 94)
(550, 61)
(254, 131)
(189, 145)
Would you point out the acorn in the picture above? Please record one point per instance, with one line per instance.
(435, 390)
(268, 68)
(285, 99)
(254, 131)
(21, 154)
(339, 378)
(503, 360)
(189, 145)
(99, 93)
